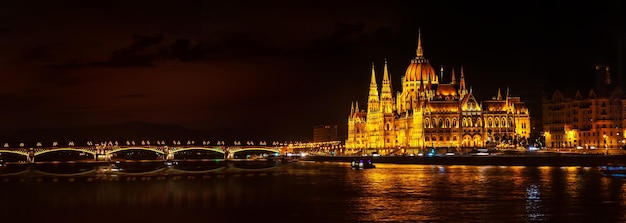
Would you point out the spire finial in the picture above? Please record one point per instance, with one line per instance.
(499, 97)
(385, 72)
(352, 109)
(441, 74)
(373, 76)
(420, 52)
(453, 77)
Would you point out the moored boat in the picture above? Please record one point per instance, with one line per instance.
(613, 170)
(362, 164)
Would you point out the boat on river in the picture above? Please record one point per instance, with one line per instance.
(613, 170)
(362, 164)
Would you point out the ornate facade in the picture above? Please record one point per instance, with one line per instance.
(594, 120)
(428, 113)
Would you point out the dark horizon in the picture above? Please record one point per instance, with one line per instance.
(279, 68)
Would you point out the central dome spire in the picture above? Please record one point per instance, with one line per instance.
(420, 52)
(420, 69)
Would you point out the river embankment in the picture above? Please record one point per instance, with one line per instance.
(497, 160)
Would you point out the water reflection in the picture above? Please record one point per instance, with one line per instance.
(321, 192)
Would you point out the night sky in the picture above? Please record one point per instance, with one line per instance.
(278, 68)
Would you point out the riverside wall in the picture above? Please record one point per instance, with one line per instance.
(498, 160)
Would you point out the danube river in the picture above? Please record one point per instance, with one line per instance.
(313, 192)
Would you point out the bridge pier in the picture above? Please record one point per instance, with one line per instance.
(31, 156)
(169, 156)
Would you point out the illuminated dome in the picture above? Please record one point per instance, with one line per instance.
(420, 70)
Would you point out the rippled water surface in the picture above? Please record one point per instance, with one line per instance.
(315, 192)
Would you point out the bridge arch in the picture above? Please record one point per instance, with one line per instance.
(214, 149)
(23, 153)
(65, 149)
(135, 148)
(236, 150)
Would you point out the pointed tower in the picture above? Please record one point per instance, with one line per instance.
(441, 74)
(420, 52)
(386, 99)
(352, 109)
(453, 77)
(462, 88)
(373, 101)
(374, 116)
(498, 97)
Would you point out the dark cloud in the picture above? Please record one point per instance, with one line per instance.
(39, 53)
(133, 96)
(184, 50)
(141, 53)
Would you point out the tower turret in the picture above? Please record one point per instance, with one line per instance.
(373, 102)
(420, 52)
(498, 97)
(441, 74)
(462, 79)
(453, 78)
(462, 88)
(386, 98)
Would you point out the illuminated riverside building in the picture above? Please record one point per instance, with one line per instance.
(430, 113)
(591, 119)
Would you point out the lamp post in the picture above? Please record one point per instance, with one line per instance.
(606, 148)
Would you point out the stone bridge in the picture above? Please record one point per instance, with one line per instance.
(104, 153)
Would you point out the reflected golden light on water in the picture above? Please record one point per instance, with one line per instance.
(333, 192)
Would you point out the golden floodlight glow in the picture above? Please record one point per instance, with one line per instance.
(429, 113)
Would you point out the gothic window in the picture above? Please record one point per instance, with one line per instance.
(447, 123)
(440, 122)
(454, 124)
(464, 122)
(489, 122)
(387, 126)
(510, 122)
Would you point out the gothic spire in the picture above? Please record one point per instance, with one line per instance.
(453, 78)
(441, 75)
(352, 109)
(386, 97)
(499, 97)
(420, 52)
(462, 79)
(373, 82)
(373, 100)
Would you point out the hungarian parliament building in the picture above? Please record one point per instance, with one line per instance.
(430, 114)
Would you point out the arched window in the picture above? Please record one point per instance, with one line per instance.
(447, 123)
(440, 122)
(454, 124)
(489, 122)
(464, 122)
